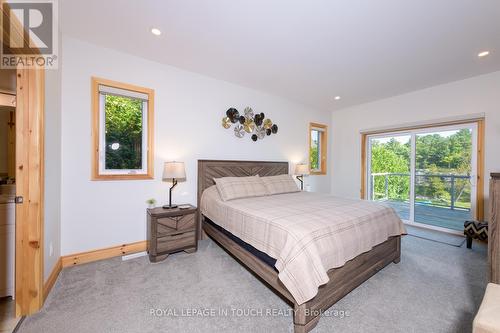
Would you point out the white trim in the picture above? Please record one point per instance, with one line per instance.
(134, 255)
(102, 142)
(103, 89)
(413, 153)
(433, 227)
(473, 175)
(319, 129)
(320, 139)
(368, 169)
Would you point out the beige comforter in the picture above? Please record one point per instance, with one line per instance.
(307, 233)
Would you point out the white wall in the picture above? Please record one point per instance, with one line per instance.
(480, 94)
(52, 196)
(188, 112)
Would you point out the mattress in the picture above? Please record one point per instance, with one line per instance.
(307, 233)
(259, 254)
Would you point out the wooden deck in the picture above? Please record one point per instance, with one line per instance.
(437, 216)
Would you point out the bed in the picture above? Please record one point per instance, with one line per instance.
(310, 299)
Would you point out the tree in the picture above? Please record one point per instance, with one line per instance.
(436, 154)
(391, 157)
(123, 121)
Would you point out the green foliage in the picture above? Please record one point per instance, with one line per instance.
(314, 157)
(436, 154)
(445, 153)
(392, 157)
(151, 201)
(123, 126)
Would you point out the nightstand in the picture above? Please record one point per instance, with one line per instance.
(171, 230)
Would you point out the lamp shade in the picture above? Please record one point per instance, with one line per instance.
(302, 169)
(173, 170)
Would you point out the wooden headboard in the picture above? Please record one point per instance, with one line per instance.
(210, 169)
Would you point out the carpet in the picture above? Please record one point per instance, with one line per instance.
(435, 288)
(436, 236)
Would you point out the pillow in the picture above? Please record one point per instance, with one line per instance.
(240, 187)
(280, 184)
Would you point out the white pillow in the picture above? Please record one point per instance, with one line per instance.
(280, 184)
(240, 187)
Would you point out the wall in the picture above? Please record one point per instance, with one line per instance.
(52, 195)
(188, 112)
(480, 94)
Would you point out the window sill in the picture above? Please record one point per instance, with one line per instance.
(122, 177)
(317, 173)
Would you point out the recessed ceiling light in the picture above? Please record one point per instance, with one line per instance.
(483, 54)
(337, 98)
(156, 31)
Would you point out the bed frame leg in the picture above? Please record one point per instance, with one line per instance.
(297, 328)
(398, 251)
(302, 323)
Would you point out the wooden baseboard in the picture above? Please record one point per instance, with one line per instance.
(89, 256)
(100, 254)
(47, 286)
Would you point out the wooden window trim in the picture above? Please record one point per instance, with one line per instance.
(480, 156)
(323, 146)
(95, 82)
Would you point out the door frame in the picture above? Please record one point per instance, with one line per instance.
(30, 133)
(30, 186)
(478, 156)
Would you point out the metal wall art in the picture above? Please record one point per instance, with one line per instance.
(256, 125)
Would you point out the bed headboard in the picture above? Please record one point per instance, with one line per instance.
(210, 169)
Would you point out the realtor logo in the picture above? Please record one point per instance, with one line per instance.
(29, 36)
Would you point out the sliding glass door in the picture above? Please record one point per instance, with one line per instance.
(390, 166)
(427, 175)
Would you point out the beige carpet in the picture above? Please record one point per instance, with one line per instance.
(435, 288)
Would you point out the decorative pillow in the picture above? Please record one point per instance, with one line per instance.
(280, 184)
(240, 187)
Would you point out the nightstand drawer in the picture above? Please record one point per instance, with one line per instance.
(176, 242)
(175, 224)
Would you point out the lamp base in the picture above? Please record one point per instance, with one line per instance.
(169, 207)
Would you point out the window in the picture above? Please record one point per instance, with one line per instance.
(122, 131)
(318, 136)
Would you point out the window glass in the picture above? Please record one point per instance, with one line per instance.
(123, 132)
(315, 150)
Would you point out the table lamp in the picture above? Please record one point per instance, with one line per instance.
(173, 171)
(301, 170)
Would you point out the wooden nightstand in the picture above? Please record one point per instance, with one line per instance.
(171, 230)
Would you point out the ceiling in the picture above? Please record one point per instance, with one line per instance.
(310, 50)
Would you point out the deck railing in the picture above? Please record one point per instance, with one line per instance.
(386, 175)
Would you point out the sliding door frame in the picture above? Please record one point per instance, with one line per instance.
(477, 156)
